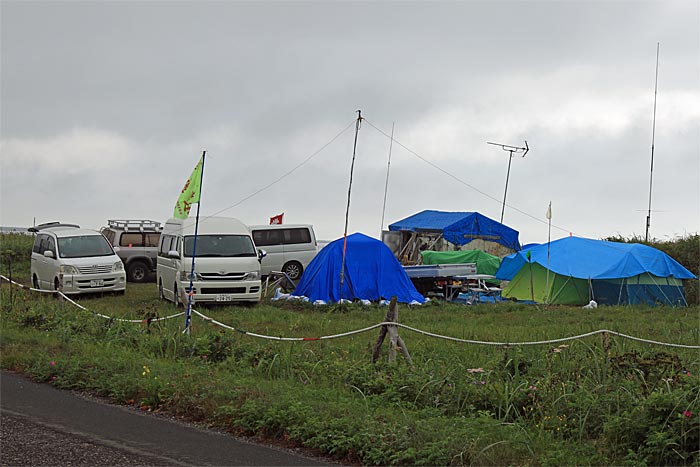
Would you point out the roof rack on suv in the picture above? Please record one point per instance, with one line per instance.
(49, 225)
(135, 225)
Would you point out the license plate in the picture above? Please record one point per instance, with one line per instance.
(97, 283)
(224, 297)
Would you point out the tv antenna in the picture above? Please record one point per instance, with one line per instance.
(512, 150)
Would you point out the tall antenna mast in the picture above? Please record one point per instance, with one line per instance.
(512, 150)
(386, 184)
(347, 210)
(653, 135)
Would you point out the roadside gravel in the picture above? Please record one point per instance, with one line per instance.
(26, 443)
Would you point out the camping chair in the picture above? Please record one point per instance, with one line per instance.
(279, 280)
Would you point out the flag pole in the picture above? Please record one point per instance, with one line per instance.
(347, 210)
(188, 314)
(549, 237)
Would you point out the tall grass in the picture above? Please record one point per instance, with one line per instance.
(584, 402)
(594, 401)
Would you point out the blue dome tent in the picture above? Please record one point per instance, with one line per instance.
(371, 273)
(574, 270)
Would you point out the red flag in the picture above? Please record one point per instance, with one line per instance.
(276, 219)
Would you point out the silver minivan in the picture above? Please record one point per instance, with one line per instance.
(74, 260)
(290, 247)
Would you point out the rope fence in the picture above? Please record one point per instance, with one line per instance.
(78, 305)
(360, 331)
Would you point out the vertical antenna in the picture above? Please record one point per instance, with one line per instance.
(653, 135)
(386, 184)
(347, 210)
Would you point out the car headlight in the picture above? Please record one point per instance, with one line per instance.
(68, 269)
(251, 276)
(118, 266)
(186, 275)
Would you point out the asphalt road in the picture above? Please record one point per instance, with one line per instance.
(44, 426)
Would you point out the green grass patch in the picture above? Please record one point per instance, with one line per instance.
(594, 401)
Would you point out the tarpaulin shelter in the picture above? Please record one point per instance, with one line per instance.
(573, 271)
(371, 273)
(425, 229)
(485, 263)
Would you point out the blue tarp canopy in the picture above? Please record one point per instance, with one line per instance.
(460, 228)
(371, 273)
(586, 258)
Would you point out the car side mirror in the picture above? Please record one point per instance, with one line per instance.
(261, 254)
(116, 249)
(173, 254)
(49, 254)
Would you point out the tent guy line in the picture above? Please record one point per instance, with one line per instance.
(483, 193)
(283, 176)
(393, 139)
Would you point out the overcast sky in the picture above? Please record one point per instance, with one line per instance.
(106, 108)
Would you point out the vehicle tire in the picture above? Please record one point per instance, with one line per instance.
(161, 295)
(137, 271)
(293, 269)
(56, 287)
(176, 297)
(35, 282)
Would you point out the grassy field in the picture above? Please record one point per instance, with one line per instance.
(598, 400)
(592, 401)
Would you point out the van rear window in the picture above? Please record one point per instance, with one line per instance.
(224, 246)
(291, 236)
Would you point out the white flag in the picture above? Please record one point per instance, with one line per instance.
(549, 211)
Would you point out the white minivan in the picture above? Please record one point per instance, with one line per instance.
(74, 260)
(227, 263)
(290, 247)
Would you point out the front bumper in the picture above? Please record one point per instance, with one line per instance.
(93, 283)
(222, 292)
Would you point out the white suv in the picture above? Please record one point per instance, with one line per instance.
(74, 260)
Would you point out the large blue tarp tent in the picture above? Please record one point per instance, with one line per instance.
(574, 270)
(371, 273)
(460, 228)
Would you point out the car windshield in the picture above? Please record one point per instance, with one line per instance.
(84, 246)
(225, 246)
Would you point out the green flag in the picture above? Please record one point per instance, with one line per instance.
(190, 193)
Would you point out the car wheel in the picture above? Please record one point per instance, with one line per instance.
(293, 269)
(137, 271)
(56, 287)
(176, 297)
(35, 282)
(161, 295)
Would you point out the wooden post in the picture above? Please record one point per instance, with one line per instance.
(395, 341)
(606, 343)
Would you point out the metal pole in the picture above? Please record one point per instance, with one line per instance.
(653, 134)
(503, 209)
(347, 210)
(188, 314)
(386, 184)
(511, 150)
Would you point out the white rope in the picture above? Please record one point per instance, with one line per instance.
(70, 300)
(454, 339)
(288, 339)
(387, 323)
